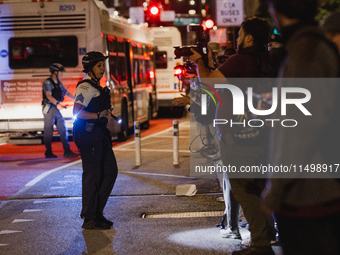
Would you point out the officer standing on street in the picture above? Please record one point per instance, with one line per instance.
(93, 110)
(53, 93)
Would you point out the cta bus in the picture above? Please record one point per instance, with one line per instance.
(35, 34)
(168, 86)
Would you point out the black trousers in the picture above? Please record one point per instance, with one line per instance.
(99, 175)
(309, 236)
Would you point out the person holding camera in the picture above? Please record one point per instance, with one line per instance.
(251, 43)
(93, 111)
(53, 93)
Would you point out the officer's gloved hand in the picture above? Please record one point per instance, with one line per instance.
(104, 117)
(105, 114)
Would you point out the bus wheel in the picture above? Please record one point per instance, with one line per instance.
(124, 126)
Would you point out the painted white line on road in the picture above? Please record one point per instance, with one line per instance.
(32, 210)
(4, 232)
(71, 176)
(153, 150)
(41, 201)
(165, 175)
(57, 187)
(22, 220)
(43, 175)
(65, 181)
(3, 244)
(185, 214)
(48, 195)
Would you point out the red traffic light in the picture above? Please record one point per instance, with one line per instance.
(209, 23)
(154, 10)
(178, 70)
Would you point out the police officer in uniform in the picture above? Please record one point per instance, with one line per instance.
(93, 110)
(53, 93)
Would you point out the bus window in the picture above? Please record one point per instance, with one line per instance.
(140, 49)
(121, 68)
(112, 44)
(120, 46)
(161, 60)
(113, 66)
(147, 71)
(41, 52)
(134, 49)
(136, 71)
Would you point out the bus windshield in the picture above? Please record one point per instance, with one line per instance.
(41, 52)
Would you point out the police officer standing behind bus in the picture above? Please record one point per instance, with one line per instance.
(53, 94)
(92, 109)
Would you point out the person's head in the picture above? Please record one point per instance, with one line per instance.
(94, 64)
(287, 12)
(253, 32)
(330, 24)
(56, 70)
(275, 41)
(229, 52)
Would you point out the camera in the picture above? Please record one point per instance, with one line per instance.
(220, 59)
(200, 46)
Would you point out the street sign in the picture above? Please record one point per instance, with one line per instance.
(183, 21)
(229, 13)
(136, 15)
(167, 16)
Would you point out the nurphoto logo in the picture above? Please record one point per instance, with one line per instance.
(239, 104)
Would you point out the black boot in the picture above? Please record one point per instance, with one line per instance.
(221, 224)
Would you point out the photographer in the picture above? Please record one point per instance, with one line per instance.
(251, 43)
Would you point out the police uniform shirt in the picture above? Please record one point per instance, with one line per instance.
(85, 92)
(48, 87)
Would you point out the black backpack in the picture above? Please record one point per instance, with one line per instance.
(252, 136)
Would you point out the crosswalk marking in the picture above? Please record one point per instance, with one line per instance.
(41, 201)
(65, 181)
(22, 220)
(32, 210)
(71, 176)
(4, 232)
(57, 187)
(48, 195)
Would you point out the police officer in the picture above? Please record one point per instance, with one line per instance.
(53, 93)
(92, 109)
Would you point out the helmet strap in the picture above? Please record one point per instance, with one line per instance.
(55, 75)
(95, 77)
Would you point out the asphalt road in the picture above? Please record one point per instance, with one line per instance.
(42, 216)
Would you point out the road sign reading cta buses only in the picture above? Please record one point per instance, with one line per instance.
(229, 13)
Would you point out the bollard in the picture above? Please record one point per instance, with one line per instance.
(175, 142)
(137, 143)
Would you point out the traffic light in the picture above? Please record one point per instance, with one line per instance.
(208, 24)
(152, 15)
(154, 10)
